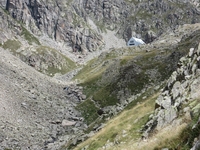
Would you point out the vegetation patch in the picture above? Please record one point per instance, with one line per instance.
(44, 59)
(105, 97)
(88, 110)
(134, 73)
(29, 37)
(84, 73)
(101, 26)
(12, 45)
(123, 128)
(125, 60)
(69, 2)
(55, 61)
(137, 71)
(184, 140)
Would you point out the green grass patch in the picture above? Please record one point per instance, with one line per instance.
(140, 99)
(94, 68)
(103, 91)
(69, 2)
(83, 73)
(110, 136)
(140, 81)
(5, 11)
(88, 110)
(101, 26)
(125, 59)
(12, 45)
(90, 86)
(105, 97)
(123, 128)
(136, 72)
(77, 20)
(51, 56)
(29, 37)
(100, 94)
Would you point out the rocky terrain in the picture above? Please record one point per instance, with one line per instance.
(180, 96)
(78, 25)
(36, 110)
(152, 113)
(75, 28)
(66, 72)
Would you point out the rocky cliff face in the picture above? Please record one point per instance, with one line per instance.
(56, 19)
(142, 19)
(69, 22)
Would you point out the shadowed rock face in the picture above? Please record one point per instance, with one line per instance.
(67, 22)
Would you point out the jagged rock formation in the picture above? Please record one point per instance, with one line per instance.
(17, 39)
(181, 88)
(141, 18)
(56, 19)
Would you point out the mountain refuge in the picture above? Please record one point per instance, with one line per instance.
(135, 42)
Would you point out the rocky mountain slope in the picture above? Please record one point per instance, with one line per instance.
(36, 110)
(75, 28)
(71, 23)
(139, 126)
(180, 96)
(65, 70)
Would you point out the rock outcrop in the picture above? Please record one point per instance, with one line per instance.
(181, 89)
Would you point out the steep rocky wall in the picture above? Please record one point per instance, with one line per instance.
(57, 19)
(142, 19)
(67, 22)
(111, 13)
(145, 20)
